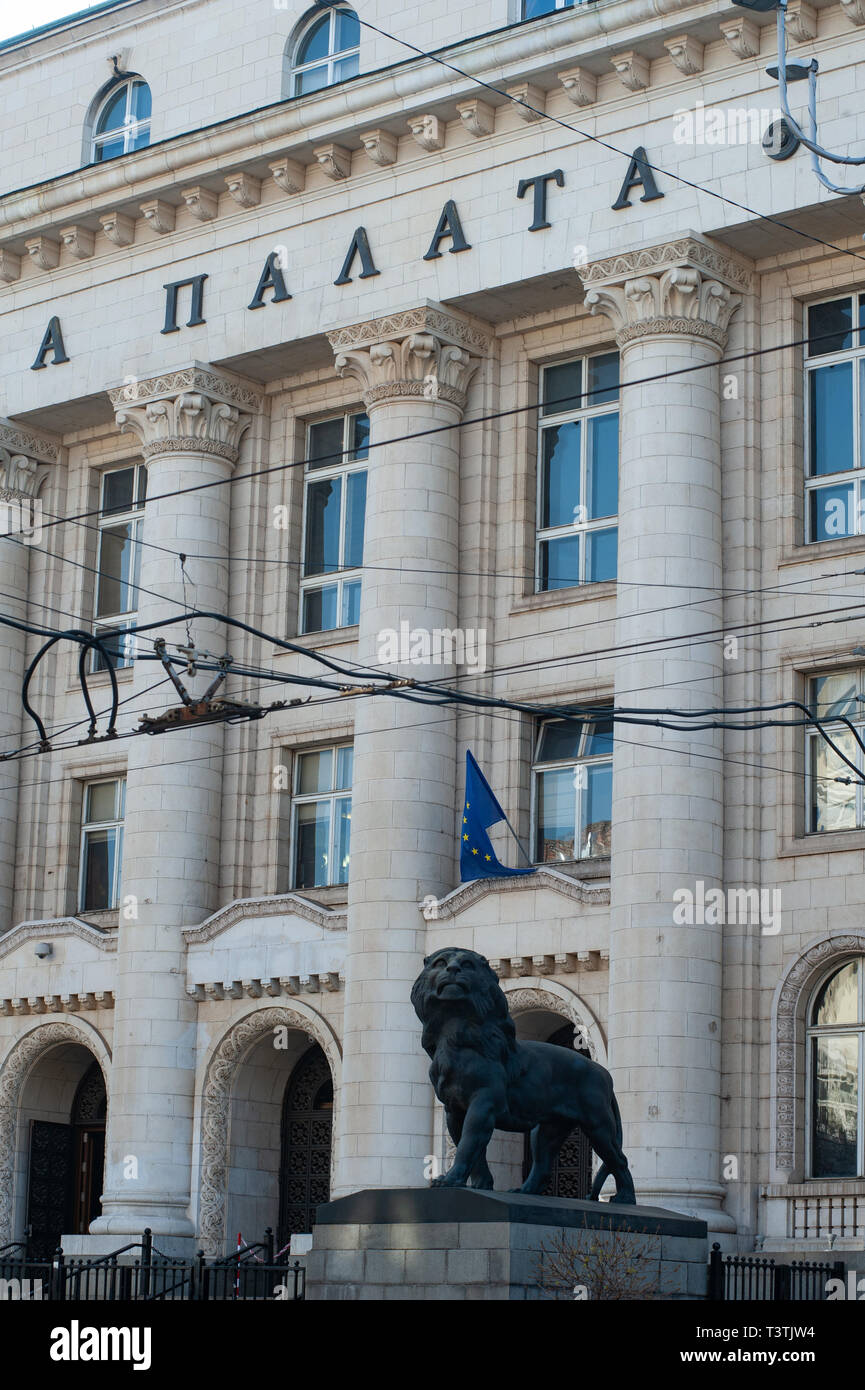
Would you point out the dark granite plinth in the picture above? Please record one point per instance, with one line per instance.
(455, 1243)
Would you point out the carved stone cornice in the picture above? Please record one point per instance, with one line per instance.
(281, 905)
(683, 287)
(33, 446)
(421, 352)
(54, 928)
(194, 410)
(576, 889)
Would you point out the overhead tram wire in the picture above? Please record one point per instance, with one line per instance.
(463, 423)
(417, 692)
(674, 643)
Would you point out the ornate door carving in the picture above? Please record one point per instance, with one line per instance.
(572, 1173)
(307, 1123)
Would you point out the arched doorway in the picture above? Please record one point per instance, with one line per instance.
(66, 1157)
(307, 1127)
(572, 1172)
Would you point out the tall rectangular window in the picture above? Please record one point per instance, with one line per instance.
(334, 510)
(578, 472)
(834, 796)
(101, 844)
(573, 790)
(835, 418)
(121, 516)
(321, 830)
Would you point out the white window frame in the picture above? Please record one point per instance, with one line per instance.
(298, 69)
(560, 5)
(565, 764)
(128, 131)
(548, 420)
(307, 798)
(813, 1031)
(108, 624)
(856, 474)
(834, 726)
(342, 470)
(116, 824)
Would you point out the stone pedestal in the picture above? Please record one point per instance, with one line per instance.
(454, 1243)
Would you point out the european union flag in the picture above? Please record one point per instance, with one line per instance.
(480, 811)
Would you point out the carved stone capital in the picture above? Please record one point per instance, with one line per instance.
(194, 410)
(23, 457)
(685, 288)
(424, 352)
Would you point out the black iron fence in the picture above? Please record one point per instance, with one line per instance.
(139, 1272)
(736, 1278)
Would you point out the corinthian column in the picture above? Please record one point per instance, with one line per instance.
(189, 424)
(414, 370)
(670, 307)
(22, 473)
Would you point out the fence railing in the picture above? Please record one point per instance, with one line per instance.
(736, 1278)
(150, 1276)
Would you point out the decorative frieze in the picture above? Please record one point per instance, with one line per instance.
(562, 963)
(89, 1001)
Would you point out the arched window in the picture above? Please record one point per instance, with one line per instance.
(836, 1060)
(328, 51)
(122, 121)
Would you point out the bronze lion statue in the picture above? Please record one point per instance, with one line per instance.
(487, 1080)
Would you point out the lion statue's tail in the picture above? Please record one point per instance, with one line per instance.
(604, 1172)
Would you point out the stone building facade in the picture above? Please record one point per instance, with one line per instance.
(305, 330)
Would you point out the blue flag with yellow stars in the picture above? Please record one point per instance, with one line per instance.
(480, 811)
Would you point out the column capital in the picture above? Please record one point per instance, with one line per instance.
(193, 410)
(23, 457)
(685, 287)
(424, 352)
